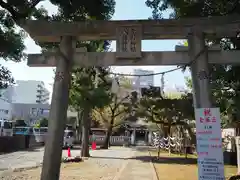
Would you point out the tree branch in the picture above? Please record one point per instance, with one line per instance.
(158, 126)
(34, 3)
(111, 108)
(16, 15)
(117, 104)
(105, 120)
(159, 122)
(9, 9)
(118, 124)
(116, 115)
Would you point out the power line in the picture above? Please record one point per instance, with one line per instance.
(164, 72)
(151, 74)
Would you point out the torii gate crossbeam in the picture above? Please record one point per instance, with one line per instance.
(44, 31)
(105, 59)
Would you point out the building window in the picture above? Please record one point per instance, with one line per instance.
(38, 96)
(45, 111)
(41, 110)
(34, 111)
(4, 111)
(39, 91)
(39, 85)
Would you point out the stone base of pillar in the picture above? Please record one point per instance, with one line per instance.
(237, 138)
(149, 138)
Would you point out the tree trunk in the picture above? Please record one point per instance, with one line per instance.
(169, 130)
(107, 139)
(79, 128)
(85, 133)
(191, 134)
(159, 148)
(165, 131)
(237, 140)
(108, 135)
(169, 140)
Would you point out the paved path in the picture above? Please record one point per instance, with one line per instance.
(26, 159)
(116, 163)
(103, 165)
(139, 167)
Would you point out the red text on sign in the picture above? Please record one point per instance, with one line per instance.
(207, 119)
(202, 153)
(207, 112)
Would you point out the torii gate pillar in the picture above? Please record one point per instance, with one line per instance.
(58, 113)
(199, 71)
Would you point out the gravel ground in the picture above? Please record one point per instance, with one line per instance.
(21, 159)
(103, 165)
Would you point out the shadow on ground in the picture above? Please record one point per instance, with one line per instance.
(141, 158)
(30, 149)
(33, 149)
(174, 160)
(161, 160)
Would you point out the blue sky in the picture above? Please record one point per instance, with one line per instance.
(125, 10)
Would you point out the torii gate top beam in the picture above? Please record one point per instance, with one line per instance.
(44, 31)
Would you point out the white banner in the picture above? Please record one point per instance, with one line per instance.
(209, 144)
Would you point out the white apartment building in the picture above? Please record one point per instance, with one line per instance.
(5, 110)
(143, 81)
(27, 92)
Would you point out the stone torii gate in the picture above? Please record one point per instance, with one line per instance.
(128, 35)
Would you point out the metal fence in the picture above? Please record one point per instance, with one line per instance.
(114, 140)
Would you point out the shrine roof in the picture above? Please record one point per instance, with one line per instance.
(138, 124)
(44, 31)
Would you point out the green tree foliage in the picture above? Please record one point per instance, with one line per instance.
(188, 82)
(165, 112)
(75, 10)
(125, 82)
(111, 116)
(173, 95)
(224, 78)
(43, 122)
(12, 14)
(117, 112)
(85, 95)
(183, 8)
(168, 112)
(84, 92)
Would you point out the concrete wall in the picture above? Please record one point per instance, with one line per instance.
(16, 143)
(114, 140)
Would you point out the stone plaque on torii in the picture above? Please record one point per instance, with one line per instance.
(129, 35)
